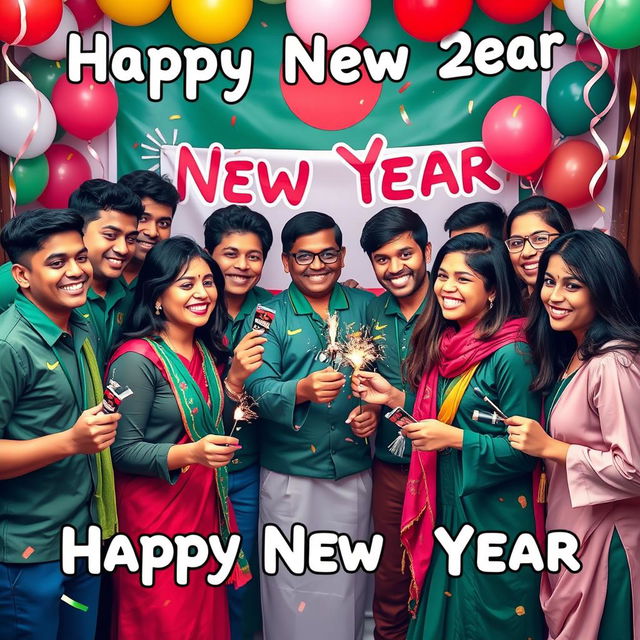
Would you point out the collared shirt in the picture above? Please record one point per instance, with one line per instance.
(106, 316)
(307, 439)
(249, 432)
(42, 382)
(8, 286)
(392, 331)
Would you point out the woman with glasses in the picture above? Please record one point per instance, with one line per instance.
(584, 332)
(531, 226)
(170, 452)
(463, 471)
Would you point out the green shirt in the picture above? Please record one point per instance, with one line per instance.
(249, 432)
(8, 286)
(392, 331)
(307, 439)
(42, 377)
(107, 316)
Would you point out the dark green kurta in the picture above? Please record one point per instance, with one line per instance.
(487, 484)
(307, 439)
(392, 331)
(249, 433)
(42, 384)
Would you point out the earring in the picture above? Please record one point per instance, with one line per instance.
(490, 305)
(158, 308)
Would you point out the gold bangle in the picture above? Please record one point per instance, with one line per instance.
(233, 395)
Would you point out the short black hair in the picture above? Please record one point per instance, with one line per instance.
(306, 223)
(388, 224)
(96, 195)
(148, 184)
(475, 214)
(554, 213)
(236, 219)
(26, 233)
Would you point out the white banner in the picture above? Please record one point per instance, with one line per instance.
(350, 185)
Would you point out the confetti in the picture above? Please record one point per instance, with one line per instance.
(520, 610)
(500, 499)
(166, 603)
(69, 156)
(522, 501)
(301, 607)
(362, 101)
(27, 552)
(136, 145)
(448, 594)
(404, 87)
(297, 427)
(58, 65)
(175, 116)
(234, 119)
(264, 24)
(405, 116)
(470, 106)
(313, 449)
(515, 111)
(74, 603)
(348, 440)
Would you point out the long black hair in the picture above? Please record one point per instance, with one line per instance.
(489, 259)
(162, 267)
(602, 265)
(555, 214)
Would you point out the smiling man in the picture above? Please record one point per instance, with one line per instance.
(159, 199)
(111, 212)
(315, 469)
(239, 239)
(50, 427)
(397, 243)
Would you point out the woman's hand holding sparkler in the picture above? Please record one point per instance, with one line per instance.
(364, 420)
(247, 357)
(529, 436)
(320, 386)
(371, 387)
(213, 451)
(433, 435)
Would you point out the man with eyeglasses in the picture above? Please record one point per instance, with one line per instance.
(315, 469)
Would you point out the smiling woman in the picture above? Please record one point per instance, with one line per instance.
(171, 436)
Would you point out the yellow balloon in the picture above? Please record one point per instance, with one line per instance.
(559, 4)
(133, 13)
(212, 21)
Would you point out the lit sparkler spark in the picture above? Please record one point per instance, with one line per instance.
(244, 412)
(359, 351)
(333, 348)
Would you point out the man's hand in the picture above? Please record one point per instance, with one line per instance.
(93, 431)
(247, 357)
(364, 420)
(322, 386)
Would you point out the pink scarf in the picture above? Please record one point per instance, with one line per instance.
(459, 351)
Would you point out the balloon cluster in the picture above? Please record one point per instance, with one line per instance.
(45, 171)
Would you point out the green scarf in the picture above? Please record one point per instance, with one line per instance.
(105, 495)
(200, 418)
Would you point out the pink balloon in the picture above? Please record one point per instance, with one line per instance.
(588, 53)
(87, 12)
(341, 21)
(517, 134)
(86, 109)
(68, 169)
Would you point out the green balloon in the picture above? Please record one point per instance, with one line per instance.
(44, 73)
(565, 102)
(561, 22)
(31, 177)
(617, 24)
(273, 1)
(59, 133)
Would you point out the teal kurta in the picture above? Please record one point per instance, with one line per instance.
(307, 439)
(106, 316)
(42, 382)
(392, 331)
(8, 286)
(487, 484)
(249, 433)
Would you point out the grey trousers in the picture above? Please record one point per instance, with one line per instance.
(315, 606)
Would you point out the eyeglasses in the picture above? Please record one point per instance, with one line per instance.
(540, 240)
(328, 256)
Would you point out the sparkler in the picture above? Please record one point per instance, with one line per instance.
(333, 348)
(244, 412)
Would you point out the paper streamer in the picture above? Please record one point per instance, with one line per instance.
(25, 79)
(626, 138)
(94, 154)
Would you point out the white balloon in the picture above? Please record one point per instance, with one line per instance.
(55, 47)
(18, 111)
(576, 13)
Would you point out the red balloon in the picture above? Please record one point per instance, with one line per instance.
(86, 109)
(588, 53)
(512, 11)
(68, 169)
(568, 172)
(330, 105)
(432, 20)
(87, 12)
(42, 16)
(517, 134)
